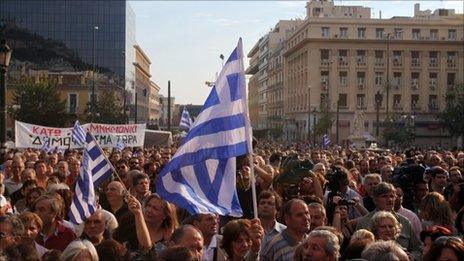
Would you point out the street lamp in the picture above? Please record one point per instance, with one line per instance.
(309, 113)
(5, 56)
(378, 102)
(92, 98)
(387, 82)
(314, 126)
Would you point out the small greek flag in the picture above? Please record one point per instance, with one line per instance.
(46, 145)
(94, 170)
(120, 146)
(325, 141)
(78, 134)
(201, 176)
(185, 120)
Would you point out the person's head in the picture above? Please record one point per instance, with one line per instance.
(159, 210)
(429, 235)
(362, 235)
(63, 166)
(269, 204)
(364, 166)
(420, 189)
(49, 208)
(387, 173)
(27, 174)
(399, 197)
(296, 216)
(74, 166)
(40, 168)
(178, 253)
(28, 185)
(80, 250)
(134, 163)
(434, 207)
(32, 224)
(318, 215)
(207, 223)
(438, 176)
(141, 183)
(17, 166)
(24, 250)
(384, 251)
(321, 245)
(95, 226)
(52, 255)
(385, 226)
(370, 181)
(446, 248)
(455, 175)
(319, 168)
(236, 239)
(112, 250)
(11, 231)
(190, 237)
(384, 196)
(32, 195)
(114, 191)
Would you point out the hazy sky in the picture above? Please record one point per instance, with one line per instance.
(184, 39)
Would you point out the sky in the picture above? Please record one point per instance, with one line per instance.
(184, 39)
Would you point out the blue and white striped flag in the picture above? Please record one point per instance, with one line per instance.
(201, 176)
(185, 120)
(120, 146)
(78, 134)
(46, 145)
(325, 141)
(94, 170)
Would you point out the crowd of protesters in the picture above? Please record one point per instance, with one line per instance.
(313, 204)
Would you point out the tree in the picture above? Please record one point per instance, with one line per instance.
(398, 132)
(324, 123)
(38, 103)
(452, 116)
(108, 109)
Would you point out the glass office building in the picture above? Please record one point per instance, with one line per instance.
(98, 31)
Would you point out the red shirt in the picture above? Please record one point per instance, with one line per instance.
(59, 239)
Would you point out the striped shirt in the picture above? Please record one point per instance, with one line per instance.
(280, 247)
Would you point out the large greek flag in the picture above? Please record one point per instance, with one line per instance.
(325, 142)
(94, 170)
(185, 120)
(201, 175)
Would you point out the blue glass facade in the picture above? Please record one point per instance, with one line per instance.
(73, 23)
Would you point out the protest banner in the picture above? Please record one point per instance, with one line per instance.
(108, 135)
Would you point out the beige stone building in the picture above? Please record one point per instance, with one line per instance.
(341, 54)
(252, 71)
(154, 103)
(142, 86)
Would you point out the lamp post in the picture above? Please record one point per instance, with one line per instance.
(5, 56)
(92, 98)
(309, 113)
(337, 122)
(378, 102)
(314, 126)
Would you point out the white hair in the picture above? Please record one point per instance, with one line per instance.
(52, 188)
(383, 251)
(332, 244)
(76, 247)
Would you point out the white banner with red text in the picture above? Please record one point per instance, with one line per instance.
(108, 135)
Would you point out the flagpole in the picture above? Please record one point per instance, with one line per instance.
(253, 185)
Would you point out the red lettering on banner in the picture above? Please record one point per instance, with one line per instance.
(46, 131)
(98, 128)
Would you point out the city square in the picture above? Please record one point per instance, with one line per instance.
(273, 130)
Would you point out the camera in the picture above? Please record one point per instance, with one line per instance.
(346, 202)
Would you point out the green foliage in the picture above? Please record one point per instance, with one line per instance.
(452, 116)
(398, 132)
(276, 132)
(324, 123)
(108, 109)
(39, 103)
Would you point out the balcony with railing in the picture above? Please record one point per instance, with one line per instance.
(415, 107)
(433, 84)
(433, 107)
(343, 61)
(415, 62)
(415, 84)
(397, 61)
(433, 62)
(361, 61)
(397, 106)
(379, 62)
(451, 63)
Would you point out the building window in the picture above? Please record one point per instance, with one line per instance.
(361, 56)
(398, 33)
(361, 33)
(396, 80)
(415, 80)
(325, 55)
(397, 59)
(72, 103)
(433, 34)
(342, 102)
(450, 79)
(325, 32)
(452, 34)
(360, 104)
(433, 80)
(416, 34)
(343, 32)
(378, 56)
(378, 78)
(343, 55)
(397, 101)
(433, 58)
(361, 78)
(324, 79)
(343, 78)
(433, 102)
(415, 58)
(415, 101)
(451, 60)
(379, 33)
